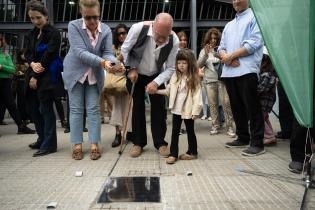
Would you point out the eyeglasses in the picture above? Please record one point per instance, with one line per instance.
(121, 33)
(88, 18)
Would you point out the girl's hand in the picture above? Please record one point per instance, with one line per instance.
(207, 49)
(33, 83)
(201, 72)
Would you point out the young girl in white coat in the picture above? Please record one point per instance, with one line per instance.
(185, 103)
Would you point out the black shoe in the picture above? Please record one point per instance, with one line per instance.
(85, 130)
(67, 130)
(281, 135)
(63, 123)
(25, 130)
(296, 167)
(236, 143)
(117, 140)
(34, 145)
(43, 152)
(253, 151)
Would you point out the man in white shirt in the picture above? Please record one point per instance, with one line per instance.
(149, 46)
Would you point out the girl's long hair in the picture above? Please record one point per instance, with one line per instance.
(207, 37)
(192, 71)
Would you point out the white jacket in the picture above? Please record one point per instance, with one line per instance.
(193, 102)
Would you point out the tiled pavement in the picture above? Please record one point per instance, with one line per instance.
(217, 181)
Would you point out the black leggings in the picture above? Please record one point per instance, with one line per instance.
(192, 140)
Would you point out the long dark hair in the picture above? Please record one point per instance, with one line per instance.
(19, 59)
(192, 71)
(115, 34)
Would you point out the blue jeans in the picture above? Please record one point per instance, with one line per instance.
(88, 96)
(50, 135)
(43, 115)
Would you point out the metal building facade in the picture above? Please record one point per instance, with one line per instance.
(14, 22)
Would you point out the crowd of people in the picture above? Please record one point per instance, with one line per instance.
(232, 79)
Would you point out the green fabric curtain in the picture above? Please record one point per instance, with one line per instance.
(288, 29)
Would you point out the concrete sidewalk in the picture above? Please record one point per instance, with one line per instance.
(216, 183)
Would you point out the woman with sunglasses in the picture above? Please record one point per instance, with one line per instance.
(89, 54)
(120, 101)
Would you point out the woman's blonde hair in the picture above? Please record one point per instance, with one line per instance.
(192, 71)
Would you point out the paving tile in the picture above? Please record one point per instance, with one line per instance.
(216, 182)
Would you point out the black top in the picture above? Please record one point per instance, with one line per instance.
(51, 37)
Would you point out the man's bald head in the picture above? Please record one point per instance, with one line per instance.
(162, 27)
(164, 19)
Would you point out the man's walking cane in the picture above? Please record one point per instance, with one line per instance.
(127, 117)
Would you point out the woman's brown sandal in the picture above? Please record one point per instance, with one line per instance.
(95, 154)
(77, 154)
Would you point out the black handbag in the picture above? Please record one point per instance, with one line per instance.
(218, 68)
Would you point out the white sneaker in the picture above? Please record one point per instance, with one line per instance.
(214, 131)
(209, 118)
(203, 117)
(231, 133)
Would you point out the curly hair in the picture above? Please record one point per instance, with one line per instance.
(192, 71)
(207, 37)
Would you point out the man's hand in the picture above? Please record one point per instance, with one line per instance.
(37, 67)
(151, 88)
(226, 58)
(235, 63)
(0, 66)
(133, 75)
(33, 83)
(120, 57)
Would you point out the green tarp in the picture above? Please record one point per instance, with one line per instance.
(288, 29)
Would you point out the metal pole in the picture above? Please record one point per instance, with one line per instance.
(193, 28)
(50, 7)
(121, 10)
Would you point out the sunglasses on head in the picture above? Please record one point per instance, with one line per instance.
(121, 33)
(88, 18)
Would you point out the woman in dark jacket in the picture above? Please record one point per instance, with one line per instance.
(43, 43)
